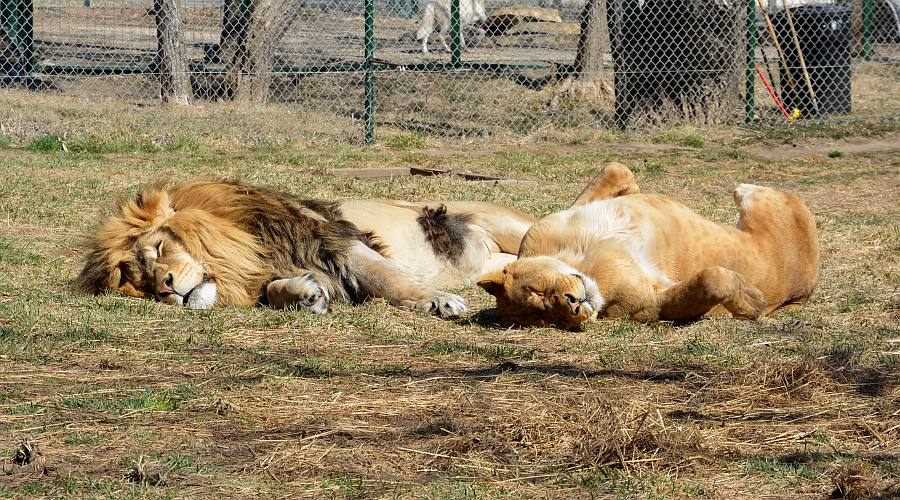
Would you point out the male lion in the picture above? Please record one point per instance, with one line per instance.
(617, 252)
(215, 242)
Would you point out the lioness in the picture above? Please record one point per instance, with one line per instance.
(215, 242)
(617, 252)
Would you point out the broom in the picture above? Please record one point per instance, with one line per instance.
(809, 87)
(777, 44)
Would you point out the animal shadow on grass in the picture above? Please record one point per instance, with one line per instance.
(485, 318)
(561, 369)
(491, 318)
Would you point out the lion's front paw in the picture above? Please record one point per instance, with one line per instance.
(304, 292)
(310, 294)
(443, 304)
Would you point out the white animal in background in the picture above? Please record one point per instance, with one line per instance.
(436, 17)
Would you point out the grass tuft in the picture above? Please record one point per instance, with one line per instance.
(45, 144)
(184, 144)
(682, 136)
(404, 142)
(114, 144)
(783, 469)
(148, 400)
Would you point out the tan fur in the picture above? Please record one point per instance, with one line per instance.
(616, 252)
(235, 244)
(496, 230)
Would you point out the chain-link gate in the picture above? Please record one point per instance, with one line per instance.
(449, 67)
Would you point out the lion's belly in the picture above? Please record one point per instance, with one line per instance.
(586, 236)
(683, 243)
(397, 227)
(667, 241)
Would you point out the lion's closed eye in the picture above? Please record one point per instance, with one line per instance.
(150, 254)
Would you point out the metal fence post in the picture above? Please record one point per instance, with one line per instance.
(867, 29)
(455, 34)
(369, 104)
(750, 97)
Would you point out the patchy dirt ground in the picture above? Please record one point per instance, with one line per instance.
(887, 144)
(111, 396)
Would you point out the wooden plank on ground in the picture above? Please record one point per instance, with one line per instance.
(531, 27)
(396, 172)
(500, 20)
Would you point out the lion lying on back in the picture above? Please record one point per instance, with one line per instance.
(212, 242)
(616, 252)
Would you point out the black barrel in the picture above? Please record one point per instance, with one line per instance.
(823, 32)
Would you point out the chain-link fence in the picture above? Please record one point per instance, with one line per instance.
(447, 67)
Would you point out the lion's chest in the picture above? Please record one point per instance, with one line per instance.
(591, 235)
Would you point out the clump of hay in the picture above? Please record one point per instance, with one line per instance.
(860, 480)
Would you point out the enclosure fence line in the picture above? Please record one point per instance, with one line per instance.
(515, 68)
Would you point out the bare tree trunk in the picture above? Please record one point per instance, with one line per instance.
(588, 77)
(174, 77)
(249, 49)
(234, 29)
(677, 61)
(593, 47)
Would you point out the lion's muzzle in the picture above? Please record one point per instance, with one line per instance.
(185, 284)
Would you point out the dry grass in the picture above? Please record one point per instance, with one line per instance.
(323, 109)
(110, 396)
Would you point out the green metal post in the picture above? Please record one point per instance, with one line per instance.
(867, 29)
(369, 76)
(750, 97)
(455, 34)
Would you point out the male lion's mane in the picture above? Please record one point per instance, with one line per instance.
(246, 236)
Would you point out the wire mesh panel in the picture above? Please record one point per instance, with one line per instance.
(820, 59)
(270, 70)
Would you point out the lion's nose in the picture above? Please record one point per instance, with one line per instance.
(168, 286)
(574, 303)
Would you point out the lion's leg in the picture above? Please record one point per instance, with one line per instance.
(748, 198)
(378, 277)
(496, 262)
(304, 291)
(711, 287)
(761, 209)
(614, 180)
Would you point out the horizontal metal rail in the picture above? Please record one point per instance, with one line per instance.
(348, 67)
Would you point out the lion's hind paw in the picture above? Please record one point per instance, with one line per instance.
(748, 302)
(443, 304)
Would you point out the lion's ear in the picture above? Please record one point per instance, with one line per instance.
(492, 283)
(149, 204)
